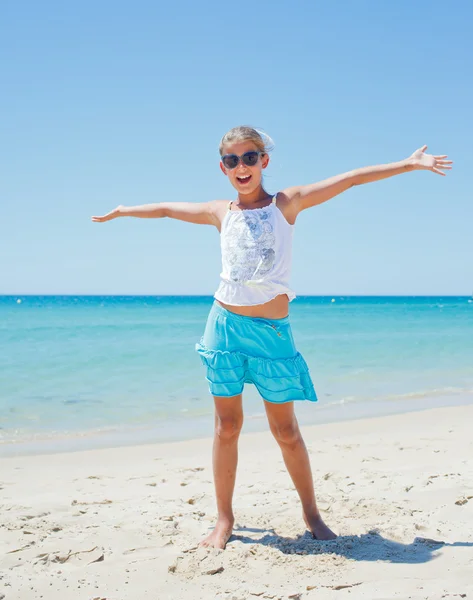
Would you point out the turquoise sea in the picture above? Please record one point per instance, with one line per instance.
(91, 371)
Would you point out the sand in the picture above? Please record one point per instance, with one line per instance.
(124, 523)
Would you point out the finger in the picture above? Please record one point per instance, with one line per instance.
(441, 156)
(437, 171)
(424, 148)
(444, 167)
(445, 162)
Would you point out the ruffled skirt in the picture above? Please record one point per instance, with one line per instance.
(238, 350)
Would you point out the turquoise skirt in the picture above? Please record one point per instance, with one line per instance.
(238, 350)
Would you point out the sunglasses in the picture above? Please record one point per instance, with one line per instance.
(230, 161)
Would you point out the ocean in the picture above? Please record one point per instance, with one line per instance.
(98, 371)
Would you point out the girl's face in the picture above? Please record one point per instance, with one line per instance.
(245, 178)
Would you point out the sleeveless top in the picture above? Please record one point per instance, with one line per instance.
(256, 249)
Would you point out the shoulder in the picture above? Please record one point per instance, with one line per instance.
(287, 201)
(219, 209)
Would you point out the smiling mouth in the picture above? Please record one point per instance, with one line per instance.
(244, 180)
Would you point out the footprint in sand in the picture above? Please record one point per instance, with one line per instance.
(92, 555)
(77, 503)
(464, 500)
(192, 470)
(29, 517)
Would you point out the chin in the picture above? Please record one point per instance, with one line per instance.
(246, 189)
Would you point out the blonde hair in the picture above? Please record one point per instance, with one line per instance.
(243, 133)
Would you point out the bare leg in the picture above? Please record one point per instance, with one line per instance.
(284, 427)
(228, 423)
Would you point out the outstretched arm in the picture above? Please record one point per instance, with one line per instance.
(310, 195)
(202, 213)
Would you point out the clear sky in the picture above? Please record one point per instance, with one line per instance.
(106, 103)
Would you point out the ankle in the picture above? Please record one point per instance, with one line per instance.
(226, 517)
(312, 512)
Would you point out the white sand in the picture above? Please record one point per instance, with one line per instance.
(124, 523)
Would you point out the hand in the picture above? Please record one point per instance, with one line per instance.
(436, 164)
(109, 216)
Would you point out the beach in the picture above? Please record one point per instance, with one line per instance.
(144, 193)
(125, 522)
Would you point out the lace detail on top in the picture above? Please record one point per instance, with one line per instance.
(256, 256)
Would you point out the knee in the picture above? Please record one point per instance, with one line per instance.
(287, 434)
(228, 428)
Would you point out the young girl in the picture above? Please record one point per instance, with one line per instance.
(248, 337)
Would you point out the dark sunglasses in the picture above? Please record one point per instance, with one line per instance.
(230, 161)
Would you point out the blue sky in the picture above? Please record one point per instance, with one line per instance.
(107, 103)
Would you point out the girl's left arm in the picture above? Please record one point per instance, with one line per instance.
(306, 196)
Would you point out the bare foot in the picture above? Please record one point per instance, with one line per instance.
(220, 535)
(319, 530)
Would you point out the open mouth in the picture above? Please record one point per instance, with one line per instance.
(244, 180)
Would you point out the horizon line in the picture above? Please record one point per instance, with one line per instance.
(93, 295)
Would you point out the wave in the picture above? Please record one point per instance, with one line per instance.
(430, 393)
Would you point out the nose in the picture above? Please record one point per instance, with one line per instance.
(241, 166)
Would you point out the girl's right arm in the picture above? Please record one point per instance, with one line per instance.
(202, 213)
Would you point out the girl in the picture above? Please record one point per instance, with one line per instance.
(248, 337)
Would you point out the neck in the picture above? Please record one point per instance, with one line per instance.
(252, 199)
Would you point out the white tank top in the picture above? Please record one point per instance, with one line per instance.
(256, 256)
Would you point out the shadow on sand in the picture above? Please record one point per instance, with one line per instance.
(370, 546)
